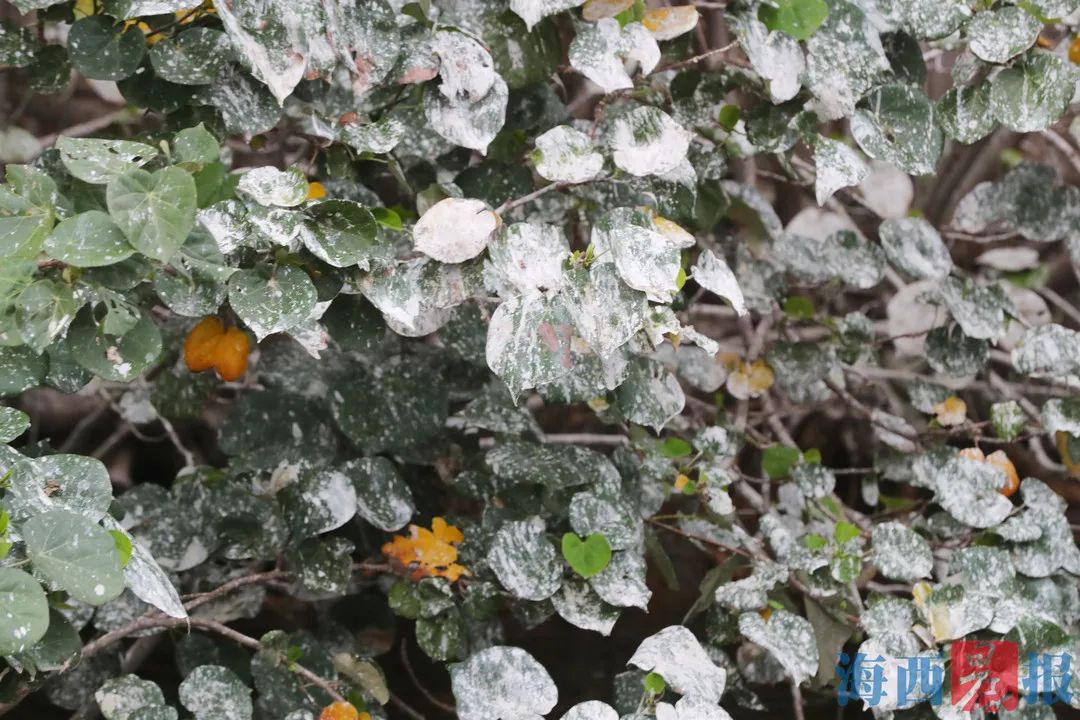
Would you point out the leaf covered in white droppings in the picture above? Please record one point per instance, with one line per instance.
(998, 35)
(272, 302)
(525, 561)
(525, 258)
(119, 697)
(969, 491)
(1033, 93)
(606, 53)
(214, 692)
(647, 141)
(382, 496)
(25, 617)
(845, 58)
(677, 656)
(789, 637)
(528, 342)
(646, 259)
(776, 56)
(502, 683)
(272, 187)
(454, 230)
(896, 123)
(838, 166)
(914, 246)
(580, 606)
(713, 273)
(900, 553)
(533, 11)
(566, 155)
(102, 161)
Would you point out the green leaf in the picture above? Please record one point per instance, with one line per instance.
(43, 312)
(75, 483)
(586, 557)
(20, 369)
(112, 357)
(387, 218)
(799, 307)
(101, 161)
(845, 531)
(156, 211)
(123, 546)
(13, 423)
(26, 611)
(275, 188)
(340, 232)
(1033, 93)
(75, 554)
(89, 239)
(196, 145)
(674, 447)
(813, 541)
(105, 50)
(777, 460)
(654, 684)
(193, 57)
(272, 301)
(797, 18)
(728, 117)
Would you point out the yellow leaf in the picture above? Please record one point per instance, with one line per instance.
(951, 411)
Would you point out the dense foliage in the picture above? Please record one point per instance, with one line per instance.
(507, 317)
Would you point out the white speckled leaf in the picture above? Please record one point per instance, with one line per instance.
(1033, 93)
(647, 141)
(525, 561)
(604, 309)
(74, 554)
(324, 501)
(502, 683)
(528, 342)
(245, 104)
(74, 483)
(814, 479)
(141, 8)
(838, 166)
(978, 309)
(533, 11)
(845, 59)
(146, 579)
(591, 710)
(272, 303)
(602, 52)
(968, 490)
(964, 112)
(26, 611)
(842, 255)
(776, 56)
(89, 239)
(566, 155)
(193, 57)
(646, 259)
(382, 497)
(13, 423)
(691, 708)
(622, 582)
(751, 593)
(102, 161)
(578, 605)
(677, 656)
(454, 230)
(525, 258)
(953, 612)
(377, 137)
(1059, 414)
(650, 395)
(272, 187)
(156, 211)
(712, 273)
(609, 515)
(466, 68)
(900, 553)
(214, 692)
(554, 466)
(463, 122)
(896, 124)
(788, 637)
(119, 697)
(914, 246)
(998, 35)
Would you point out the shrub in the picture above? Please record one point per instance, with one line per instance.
(468, 329)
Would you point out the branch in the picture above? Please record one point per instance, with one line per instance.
(518, 202)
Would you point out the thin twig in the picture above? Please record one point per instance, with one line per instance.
(419, 685)
(518, 202)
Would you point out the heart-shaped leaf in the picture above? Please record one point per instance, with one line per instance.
(156, 211)
(587, 557)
